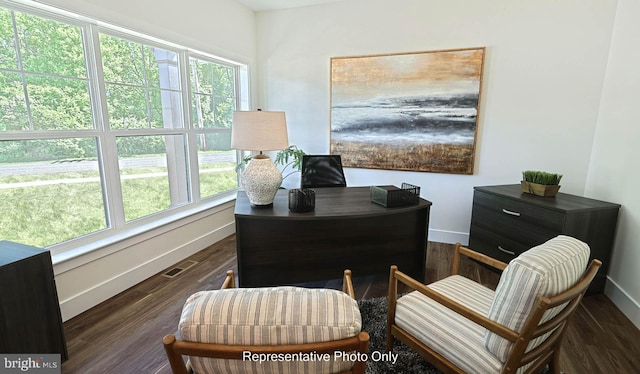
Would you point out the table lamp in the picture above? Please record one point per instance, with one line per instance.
(260, 131)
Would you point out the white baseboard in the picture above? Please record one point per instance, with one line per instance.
(95, 295)
(623, 301)
(450, 237)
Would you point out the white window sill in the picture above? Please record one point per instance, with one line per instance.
(73, 257)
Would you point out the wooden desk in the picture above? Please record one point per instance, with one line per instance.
(345, 231)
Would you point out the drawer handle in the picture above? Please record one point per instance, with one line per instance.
(506, 251)
(511, 212)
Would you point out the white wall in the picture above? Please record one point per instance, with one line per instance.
(560, 94)
(88, 280)
(613, 170)
(220, 27)
(544, 69)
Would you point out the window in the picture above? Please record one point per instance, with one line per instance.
(49, 191)
(43, 68)
(102, 130)
(143, 92)
(213, 98)
(142, 85)
(155, 181)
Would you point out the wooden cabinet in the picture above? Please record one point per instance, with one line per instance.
(30, 319)
(506, 222)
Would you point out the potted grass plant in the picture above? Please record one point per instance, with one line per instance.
(540, 183)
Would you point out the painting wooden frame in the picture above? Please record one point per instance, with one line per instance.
(413, 111)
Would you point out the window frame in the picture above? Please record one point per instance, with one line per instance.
(117, 229)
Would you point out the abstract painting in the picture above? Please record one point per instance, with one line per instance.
(410, 111)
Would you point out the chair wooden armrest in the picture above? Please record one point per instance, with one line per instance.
(176, 348)
(470, 253)
(347, 284)
(468, 313)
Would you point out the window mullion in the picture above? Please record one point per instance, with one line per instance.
(107, 150)
(23, 79)
(194, 175)
(112, 185)
(145, 77)
(176, 153)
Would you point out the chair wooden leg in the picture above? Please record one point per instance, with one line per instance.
(360, 367)
(389, 340)
(554, 364)
(391, 313)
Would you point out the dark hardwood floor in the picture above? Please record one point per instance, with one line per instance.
(124, 334)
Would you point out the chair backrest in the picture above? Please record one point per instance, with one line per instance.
(536, 295)
(322, 171)
(244, 330)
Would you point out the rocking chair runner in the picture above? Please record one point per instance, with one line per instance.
(220, 328)
(463, 327)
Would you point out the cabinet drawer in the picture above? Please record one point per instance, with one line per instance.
(528, 224)
(495, 245)
(503, 217)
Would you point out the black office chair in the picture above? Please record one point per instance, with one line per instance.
(322, 171)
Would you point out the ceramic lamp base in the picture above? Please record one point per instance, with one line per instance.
(261, 180)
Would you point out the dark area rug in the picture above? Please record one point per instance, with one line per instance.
(374, 321)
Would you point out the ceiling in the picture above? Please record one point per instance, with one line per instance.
(264, 5)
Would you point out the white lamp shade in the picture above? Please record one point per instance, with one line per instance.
(259, 131)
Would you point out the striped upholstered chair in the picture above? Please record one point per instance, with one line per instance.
(461, 326)
(269, 330)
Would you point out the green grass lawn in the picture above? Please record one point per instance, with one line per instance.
(49, 214)
(46, 214)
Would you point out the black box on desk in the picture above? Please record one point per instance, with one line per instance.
(392, 196)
